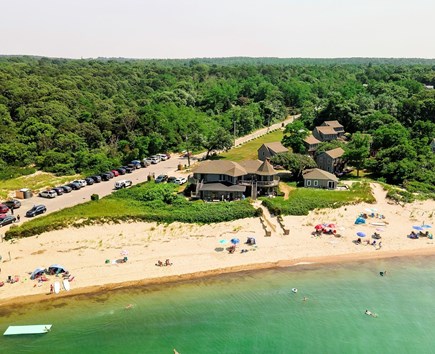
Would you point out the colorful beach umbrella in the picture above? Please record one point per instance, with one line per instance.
(235, 241)
(318, 227)
(361, 234)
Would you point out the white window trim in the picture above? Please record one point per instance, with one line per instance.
(315, 183)
(308, 182)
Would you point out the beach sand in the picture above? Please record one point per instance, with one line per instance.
(195, 250)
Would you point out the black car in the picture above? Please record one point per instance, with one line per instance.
(136, 164)
(74, 186)
(171, 179)
(128, 169)
(111, 174)
(96, 178)
(6, 220)
(121, 171)
(89, 181)
(58, 190)
(105, 176)
(12, 204)
(36, 210)
(161, 178)
(66, 189)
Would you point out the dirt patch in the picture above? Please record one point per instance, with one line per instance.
(286, 189)
(38, 252)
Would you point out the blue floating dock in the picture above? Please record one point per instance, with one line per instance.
(33, 329)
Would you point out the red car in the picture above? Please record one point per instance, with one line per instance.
(3, 209)
(115, 173)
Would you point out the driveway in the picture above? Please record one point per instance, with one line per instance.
(169, 167)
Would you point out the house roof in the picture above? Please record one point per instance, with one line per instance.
(316, 173)
(333, 123)
(221, 167)
(251, 166)
(276, 147)
(311, 140)
(326, 129)
(266, 169)
(335, 153)
(220, 187)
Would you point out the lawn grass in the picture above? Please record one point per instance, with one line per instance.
(302, 200)
(248, 151)
(36, 182)
(143, 202)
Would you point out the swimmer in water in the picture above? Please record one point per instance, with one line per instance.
(305, 298)
(129, 306)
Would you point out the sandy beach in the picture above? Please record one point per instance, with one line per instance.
(92, 254)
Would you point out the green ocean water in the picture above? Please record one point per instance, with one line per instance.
(253, 312)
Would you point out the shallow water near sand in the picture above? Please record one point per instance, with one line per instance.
(251, 312)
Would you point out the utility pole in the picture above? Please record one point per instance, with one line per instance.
(234, 132)
(187, 149)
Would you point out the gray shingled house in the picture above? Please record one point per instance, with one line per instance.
(331, 160)
(228, 180)
(268, 150)
(317, 178)
(339, 129)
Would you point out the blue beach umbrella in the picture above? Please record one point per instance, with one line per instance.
(361, 234)
(419, 228)
(426, 226)
(235, 241)
(223, 242)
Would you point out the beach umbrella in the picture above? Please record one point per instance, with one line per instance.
(418, 228)
(223, 241)
(319, 227)
(426, 226)
(361, 234)
(56, 268)
(332, 226)
(235, 241)
(36, 272)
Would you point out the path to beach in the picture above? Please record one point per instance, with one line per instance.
(199, 250)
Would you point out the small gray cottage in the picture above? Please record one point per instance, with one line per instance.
(325, 133)
(317, 178)
(268, 150)
(311, 143)
(339, 129)
(331, 160)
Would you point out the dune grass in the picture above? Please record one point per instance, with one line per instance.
(302, 200)
(143, 202)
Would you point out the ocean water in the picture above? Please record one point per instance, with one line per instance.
(250, 312)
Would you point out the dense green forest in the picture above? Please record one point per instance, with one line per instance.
(68, 116)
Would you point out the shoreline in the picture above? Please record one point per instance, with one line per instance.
(93, 255)
(97, 290)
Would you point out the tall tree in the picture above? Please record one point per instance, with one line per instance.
(357, 150)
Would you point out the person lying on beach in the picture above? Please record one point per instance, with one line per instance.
(168, 263)
(159, 264)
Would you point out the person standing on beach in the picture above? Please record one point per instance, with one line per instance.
(12, 211)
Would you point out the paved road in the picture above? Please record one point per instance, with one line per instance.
(169, 167)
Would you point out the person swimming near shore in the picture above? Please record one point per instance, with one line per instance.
(305, 298)
(129, 306)
(367, 312)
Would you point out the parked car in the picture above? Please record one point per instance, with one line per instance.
(82, 182)
(181, 180)
(96, 178)
(89, 181)
(111, 174)
(6, 220)
(163, 157)
(3, 209)
(128, 169)
(66, 189)
(74, 186)
(136, 163)
(155, 159)
(48, 194)
(149, 160)
(12, 204)
(161, 178)
(124, 183)
(58, 190)
(145, 163)
(171, 179)
(36, 210)
(105, 176)
(121, 171)
(115, 173)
